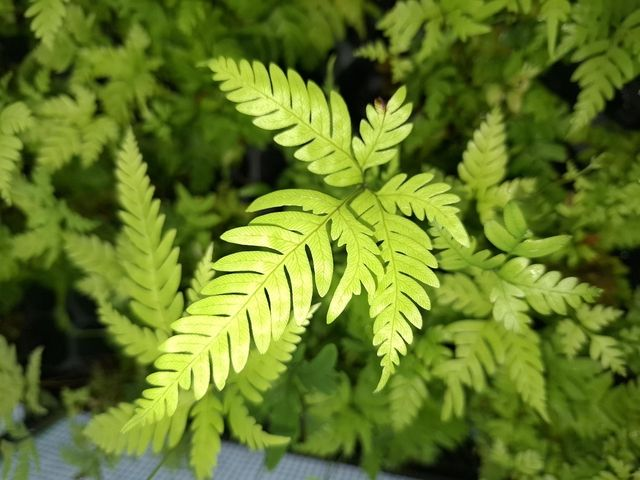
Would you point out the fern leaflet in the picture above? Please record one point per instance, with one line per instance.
(382, 131)
(418, 197)
(148, 256)
(48, 16)
(405, 250)
(105, 430)
(245, 427)
(280, 101)
(14, 119)
(484, 162)
(523, 360)
(206, 427)
(138, 342)
(479, 350)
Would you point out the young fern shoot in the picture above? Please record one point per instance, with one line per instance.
(285, 253)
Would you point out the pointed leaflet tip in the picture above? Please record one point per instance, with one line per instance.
(384, 378)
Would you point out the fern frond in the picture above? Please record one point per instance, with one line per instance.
(11, 380)
(95, 135)
(32, 382)
(570, 337)
(553, 12)
(479, 350)
(97, 258)
(457, 257)
(202, 276)
(418, 197)
(404, 248)
(464, 295)
(375, 51)
(511, 235)
(607, 350)
(261, 290)
(596, 317)
(106, 430)
(523, 360)
(382, 131)
(280, 101)
(401, 24)
(68, 126)
(407, 393)
(206, 427)
(14, 119)
(363, 263)
(245, 427)
(484, 162)
(148, 256)
(509, 307)
(607, 70)
(546, 292)
(138, 342)
(47, 17)
(262, 369)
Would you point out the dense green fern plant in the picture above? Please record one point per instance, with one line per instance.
(141, 272)
(461, 336)
(386, 254)
(20, 396)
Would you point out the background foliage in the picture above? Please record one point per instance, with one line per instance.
(527, 361)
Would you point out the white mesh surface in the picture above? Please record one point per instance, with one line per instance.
(235, 462)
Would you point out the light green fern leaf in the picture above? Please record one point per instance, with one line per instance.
(553, 13)
(374, 51)
(407, 393)
(14, 119)
(280, 101)
(546, 292)
(509, 307)
(138, 342)
(479, 349)
(32, 382)
(382, 131)
(523, 360)
(255, 299)
(47, 17)
(98, 259)
(68, 126)
(203, 275)
(455, 257)
(608, 351)
(512, 234)
(147, 255)
(11, 380)
(245, 427)
(596, 317)
(263, 369)
(401, 24)
(206, 427)
(361, 252)
(606, 70)
(404, 248)
(106, 430)
(570, 337)
(484, 162)
(421, 198)
(464, 295)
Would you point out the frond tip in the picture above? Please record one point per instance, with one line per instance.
(321, 130)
